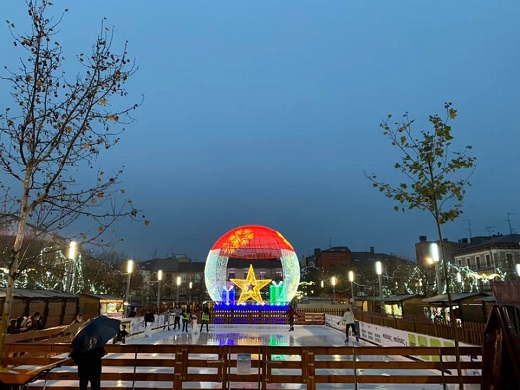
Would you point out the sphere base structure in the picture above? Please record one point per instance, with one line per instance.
(250, 314)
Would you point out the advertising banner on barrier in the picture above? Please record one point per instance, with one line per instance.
(390, 337)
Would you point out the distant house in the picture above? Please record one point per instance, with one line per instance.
(491, 254)
(183, 280)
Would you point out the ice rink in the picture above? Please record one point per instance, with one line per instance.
(309, 335)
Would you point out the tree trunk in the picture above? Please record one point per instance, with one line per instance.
(453, 321)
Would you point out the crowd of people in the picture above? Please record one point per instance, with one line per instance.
(25, 324)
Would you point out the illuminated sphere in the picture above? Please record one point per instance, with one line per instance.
(251, 242)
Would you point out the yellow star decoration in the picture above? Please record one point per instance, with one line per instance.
(250, 286)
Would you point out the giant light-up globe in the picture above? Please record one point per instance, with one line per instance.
(251, 243)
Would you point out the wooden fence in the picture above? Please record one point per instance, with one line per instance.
(222, 367)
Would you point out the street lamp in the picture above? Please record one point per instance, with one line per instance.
(159, 278)
(434, 251)
(129, 270)
(379, 272)
(518, 269)
(70, 267)
(178, 285)
(190, 285)
(459, 281)
(351, 279)
(333, 282)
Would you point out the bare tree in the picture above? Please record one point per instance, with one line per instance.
(54, 127)
(432, 184)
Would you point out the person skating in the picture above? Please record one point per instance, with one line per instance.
(205, 318)
(177, 318)
(120, 337)
(186, 317)
(149, 318)
(291, 313)
(350, 321)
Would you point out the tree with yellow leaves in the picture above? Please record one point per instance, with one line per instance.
(54, 127)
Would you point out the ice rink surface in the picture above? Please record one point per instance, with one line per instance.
(309, 335)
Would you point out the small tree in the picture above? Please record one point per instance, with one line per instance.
(429, 166)
(54, 127)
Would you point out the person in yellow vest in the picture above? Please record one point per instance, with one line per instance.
(186, 317)
(205, 318)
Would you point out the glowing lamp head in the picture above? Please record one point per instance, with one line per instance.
(434, 251)
(351, 276)
(130, 266)
(333, 281)
(379, 268)
(159, 274)
(178, 280)
(72, 250)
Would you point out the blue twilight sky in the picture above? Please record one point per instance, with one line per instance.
(268, 112)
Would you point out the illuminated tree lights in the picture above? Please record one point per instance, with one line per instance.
(252, 242)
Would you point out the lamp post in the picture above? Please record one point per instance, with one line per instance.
(459, 281)
(129, 270)
(178, 285)
(159, 278)
(333, 282)
(351, 279)
(70, 267)
(518, 269)
(379, 272)
(434, 251)
(190, 285)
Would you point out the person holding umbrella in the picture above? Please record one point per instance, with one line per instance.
(89, 367)
(88, 349)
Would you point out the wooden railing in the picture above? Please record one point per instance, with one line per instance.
(55, 333)
(201, 366)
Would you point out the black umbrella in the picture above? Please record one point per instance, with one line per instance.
(95, 333)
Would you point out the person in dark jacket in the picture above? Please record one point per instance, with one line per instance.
(37, 321)
(291, 313)
(120, 337)
(149, 318)
(89, 367)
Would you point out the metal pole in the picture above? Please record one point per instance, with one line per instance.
(351, 278)
(159, 278)
(70, 266)
(438, 276)
(129, 269)
(158, 295)
(127, 294)
(379, 277)
(178, 285)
